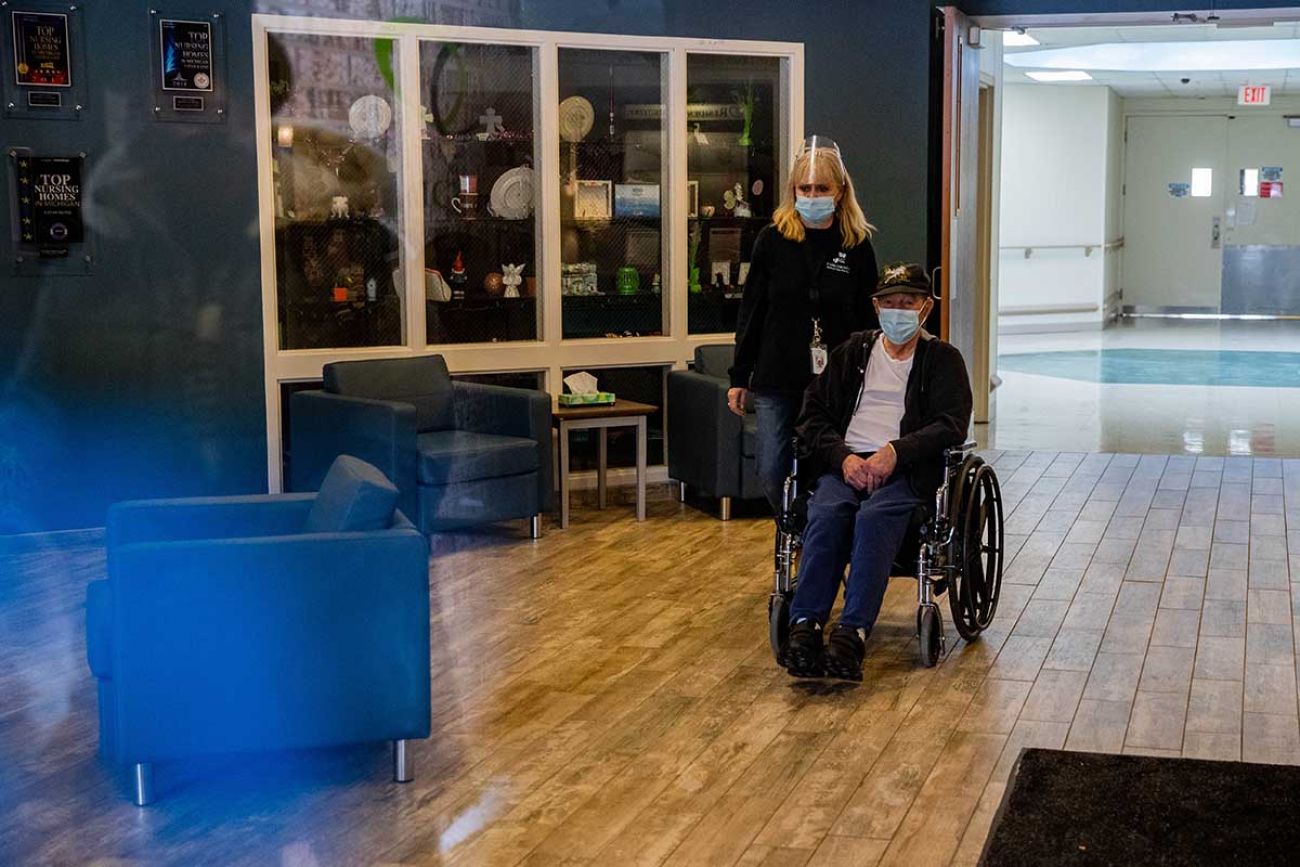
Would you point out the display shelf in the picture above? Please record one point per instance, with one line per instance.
(613, 222)
(459, 220)
(475, 140)
(481, 318)
(721, 220)
(605, 315)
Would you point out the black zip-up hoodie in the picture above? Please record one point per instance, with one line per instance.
(774, 327)
(936, 408)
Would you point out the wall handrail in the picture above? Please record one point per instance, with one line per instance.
(1104, 246)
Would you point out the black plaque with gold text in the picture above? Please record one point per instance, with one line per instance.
(49, 203)
(42, 54)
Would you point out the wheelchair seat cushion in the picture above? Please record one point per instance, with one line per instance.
(450, 456)
(354, 497)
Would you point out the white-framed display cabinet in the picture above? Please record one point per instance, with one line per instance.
(522, 202)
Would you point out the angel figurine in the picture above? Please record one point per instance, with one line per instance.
(514, 275)
(734, 200)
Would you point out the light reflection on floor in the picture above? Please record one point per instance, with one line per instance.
(1046, 412)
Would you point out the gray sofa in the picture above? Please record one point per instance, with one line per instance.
(710, 449)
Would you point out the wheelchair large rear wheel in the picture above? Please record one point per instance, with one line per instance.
(976, 579)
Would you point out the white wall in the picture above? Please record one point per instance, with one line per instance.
(1059, 186)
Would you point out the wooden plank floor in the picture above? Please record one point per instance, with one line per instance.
(606, 695)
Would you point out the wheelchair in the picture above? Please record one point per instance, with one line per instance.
(953, 548)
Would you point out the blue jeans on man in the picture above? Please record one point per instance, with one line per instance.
(850, 528)
(774, 453)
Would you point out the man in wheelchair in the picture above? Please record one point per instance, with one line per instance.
(875, 425)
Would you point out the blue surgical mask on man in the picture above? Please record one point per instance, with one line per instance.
(899, 325)
(815, 209)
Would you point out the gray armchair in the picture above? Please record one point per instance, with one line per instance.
(460, 453)
(710, 448)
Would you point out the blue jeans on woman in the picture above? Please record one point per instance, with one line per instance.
(774, 455)
(850, 528)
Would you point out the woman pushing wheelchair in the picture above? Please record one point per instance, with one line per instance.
(874, 426)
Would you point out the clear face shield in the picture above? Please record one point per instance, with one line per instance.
(817, 168)
(821, 152)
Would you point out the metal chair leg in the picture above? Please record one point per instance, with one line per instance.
(681, 493)
(725, 506)
(401, 768)
(535, 526)
(143, 778)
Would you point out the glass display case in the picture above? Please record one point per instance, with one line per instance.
(335, 141)
(732, 157)
(513, 200)
(480, 222)
(612, 153)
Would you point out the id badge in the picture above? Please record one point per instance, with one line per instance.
(817, 350)
(819, 357)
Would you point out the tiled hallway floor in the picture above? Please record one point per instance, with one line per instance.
(1049, 412)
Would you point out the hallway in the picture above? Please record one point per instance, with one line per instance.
(1038, 407)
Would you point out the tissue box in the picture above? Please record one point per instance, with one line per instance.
(595, 398)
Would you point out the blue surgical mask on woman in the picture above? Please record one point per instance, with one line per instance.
(815, 209)
(899, 325)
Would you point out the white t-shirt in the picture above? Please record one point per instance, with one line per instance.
(881, 401)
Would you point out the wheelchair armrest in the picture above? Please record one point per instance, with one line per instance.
(956, 454)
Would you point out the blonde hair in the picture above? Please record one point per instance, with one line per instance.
(853, 223)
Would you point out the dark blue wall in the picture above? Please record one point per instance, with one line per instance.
(145, 379)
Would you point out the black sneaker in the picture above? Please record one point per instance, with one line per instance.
(844, 652)
(804, 650)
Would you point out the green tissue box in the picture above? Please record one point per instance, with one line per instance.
(597, 398)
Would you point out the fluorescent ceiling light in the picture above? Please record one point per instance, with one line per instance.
(1018, 39)
(1070, 75)
(1211, 56)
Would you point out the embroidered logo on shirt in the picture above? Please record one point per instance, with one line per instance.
(840, 264)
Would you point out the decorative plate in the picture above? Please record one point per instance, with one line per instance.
(577, 117)
(512, 194)
(370, 116)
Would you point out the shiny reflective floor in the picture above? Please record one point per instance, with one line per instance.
(1144, 411)
(606, 695)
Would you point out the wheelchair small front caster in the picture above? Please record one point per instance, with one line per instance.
(778, 624)
(929, 629)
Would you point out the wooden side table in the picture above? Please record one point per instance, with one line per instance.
(621, 413)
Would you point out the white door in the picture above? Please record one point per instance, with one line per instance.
(1263, 145)
(1175, 187)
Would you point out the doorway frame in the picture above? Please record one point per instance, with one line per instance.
(1133, 19)
(986, 325)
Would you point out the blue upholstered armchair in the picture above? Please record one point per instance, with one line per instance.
(232, 624)
(460, 453)
(709, 447)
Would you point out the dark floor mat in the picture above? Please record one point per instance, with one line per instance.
(1088, 808)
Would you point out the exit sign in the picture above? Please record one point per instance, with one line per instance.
(1254, 94)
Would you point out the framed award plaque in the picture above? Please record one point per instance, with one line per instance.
(188, 60)
(44, 74)
(47, 213)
